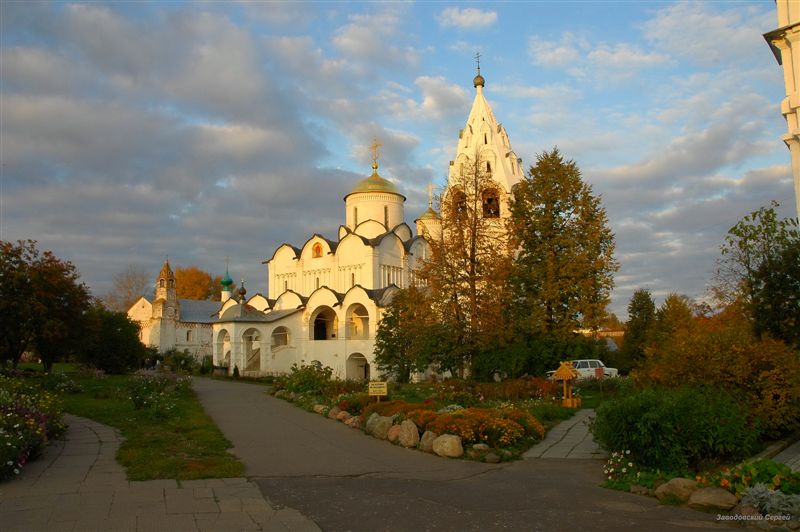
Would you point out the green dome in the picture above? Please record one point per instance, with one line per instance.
(226, 281)
(429, 214)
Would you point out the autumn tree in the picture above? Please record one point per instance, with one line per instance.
(674, 316)
(563, 272)
(112, 341)
(468, 266)
(759, 268)
(128, 286)
(42, 304)
(193, 283)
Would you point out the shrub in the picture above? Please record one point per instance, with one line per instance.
(392, 408)
(771, 502)
(773, 474)
(421, 418)
(676, 429)
(355, 403)
(305, 379)
(207, 366)
(157, 395)
(517, 389)
(763, 373)
(496, 427)
(338, 387)
(181, 361)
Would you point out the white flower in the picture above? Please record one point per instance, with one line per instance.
(630, 464)
(624, 470)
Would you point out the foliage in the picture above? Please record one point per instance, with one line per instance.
(758, 266)
(180, 361)
(337, 387)
(158, 394)
(193, 283)
(772, 502)
(355, 403)
(675, 316)
(128, 286)
(774, 475)
(112, 342)
(639, 330)
(675, 429)
(467, 268)
(304, 379)
(517, 389)
(421, 417)
(207, 365)
(42, 304)
(496, 427)
(29, 417)
(407, 337)
(620, 471)
(563, 273)
(392, 408)
(763, 374)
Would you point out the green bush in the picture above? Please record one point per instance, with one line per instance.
(305, 379)
(355, 403)
(676, 429)
(180, 361)
(207, 366)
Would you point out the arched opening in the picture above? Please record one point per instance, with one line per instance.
(491, 203)
(357, 322)
(224, 348)
(280, 338)
(251, 340)
(162, 283)
(357, 367)
(458, 203)
(188, 337)
(324, 324)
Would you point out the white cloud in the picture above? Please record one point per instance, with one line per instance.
(440, 98)
(468, 18)
(624, 56)
(369, 38)
(563, 53)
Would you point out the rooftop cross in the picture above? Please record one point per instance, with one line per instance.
(430, 195)
(478, 61)
(374, 147)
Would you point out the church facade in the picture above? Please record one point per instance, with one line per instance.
(327, 296)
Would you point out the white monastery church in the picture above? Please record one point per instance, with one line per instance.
(326, 297)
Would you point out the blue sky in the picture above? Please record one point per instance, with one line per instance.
(132, 131)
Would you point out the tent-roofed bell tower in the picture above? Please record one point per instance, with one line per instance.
(485, 140)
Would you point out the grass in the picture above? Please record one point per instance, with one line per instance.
(184, 445)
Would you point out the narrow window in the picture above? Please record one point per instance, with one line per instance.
(285, 285)
(352, 279)
(485, 138)
(388, 279)
(386, 216)
(491, 204)
(161, 283)
(355, 216)
(317, 282)
(188, 337)
(488, 166)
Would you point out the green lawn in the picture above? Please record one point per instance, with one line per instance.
(186, 445)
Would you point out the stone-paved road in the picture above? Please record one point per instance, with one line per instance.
(345, 480)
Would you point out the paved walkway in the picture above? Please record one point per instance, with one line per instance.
(790, 456)
(569, 439)
(78, 486)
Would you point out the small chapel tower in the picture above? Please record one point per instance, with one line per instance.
(225, 293)
(374, 198)
(166, 309)
(429, 224)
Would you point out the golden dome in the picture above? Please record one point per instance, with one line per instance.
(429, 214)
(375, 183)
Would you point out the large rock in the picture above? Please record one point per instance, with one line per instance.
(394, 433)
(448, 446)
(334, 412)
(491, 458)
(344, 415)
(370, 423)
(426, 443)
(320, 409)
(409, 434)
(712, 499)
(481, 447)
(379, 426)
(676, 488)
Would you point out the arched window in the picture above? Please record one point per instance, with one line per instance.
(355, 216)
(488, 166)
(485, 138)
(188, 337)
(352, 279)
(386, 216)
(458, 203)
(162, 283)
(280, 337)
(491, 204)
(317, 282)
(316, 251)
(285, 285)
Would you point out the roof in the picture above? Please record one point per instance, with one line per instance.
(375, 183)
(251, 315)
(198, 311)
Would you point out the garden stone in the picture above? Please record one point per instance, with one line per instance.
(480, 447)
(426, 443)
(679, 488)
(639, 490)
(320, 409)
(280, 393)
(380, 426)
(448, 446)
(371, 420)
(472, 454)
(394, 433)
(334, 412)
(712, 499)
(491, 458)
(744, 508)
(344, 415)
(409, 434)
(354, 422)
(293, 396)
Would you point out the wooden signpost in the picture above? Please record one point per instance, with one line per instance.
(379, 389)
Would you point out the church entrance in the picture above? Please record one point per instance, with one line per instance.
(357, 367)
(324, 324)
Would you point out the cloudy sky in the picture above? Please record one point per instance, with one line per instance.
(132, 131)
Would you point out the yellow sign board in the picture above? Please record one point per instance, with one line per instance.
(378, 388)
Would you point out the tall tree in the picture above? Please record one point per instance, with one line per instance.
(113, 343)
(758, 267)
(674, 316)
(469, 263)
(639, 330)
(563, 273)
(193, 283)
(128, 286)
(42, 304)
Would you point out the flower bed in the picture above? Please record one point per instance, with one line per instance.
(29, 417)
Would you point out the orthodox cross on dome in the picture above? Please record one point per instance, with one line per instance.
(430, 195)
(478, 61)
(374, 147)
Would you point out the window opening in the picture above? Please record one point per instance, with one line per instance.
(352, 279)
(488, 166)
(485, 138)
(386, 216)
(355, 216)
(491, 204)
(317, 282)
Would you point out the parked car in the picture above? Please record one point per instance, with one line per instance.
(588, 368)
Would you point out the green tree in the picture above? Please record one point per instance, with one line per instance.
(42, 304)
(674, 316)
(639, 329)
(563, 273)
(758, 267)
(113, 343)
